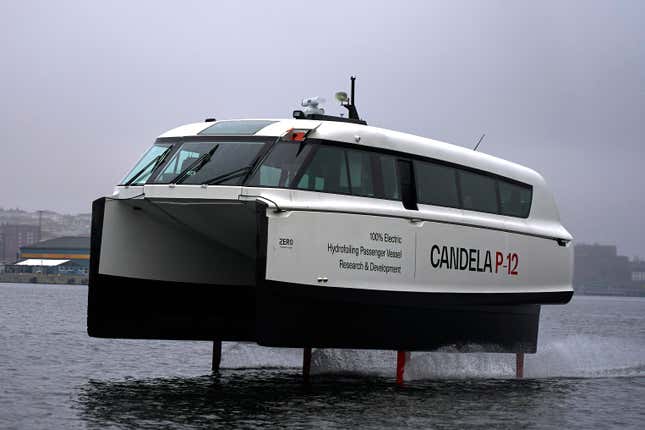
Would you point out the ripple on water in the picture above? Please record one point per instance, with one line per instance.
(52, 375)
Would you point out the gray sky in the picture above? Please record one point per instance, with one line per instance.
(558, 86)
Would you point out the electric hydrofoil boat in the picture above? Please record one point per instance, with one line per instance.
(322, 231)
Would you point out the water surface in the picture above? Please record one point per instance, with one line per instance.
(589, 372)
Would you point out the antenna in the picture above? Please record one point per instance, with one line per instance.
(313, 111)
(349, 102)
(479, 141)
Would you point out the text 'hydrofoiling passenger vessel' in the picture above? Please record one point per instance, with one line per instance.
(321, 231)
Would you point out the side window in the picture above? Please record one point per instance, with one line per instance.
(389, 179)
(436, 184)
(478, 192)
(280, 166)
(515, 199)
(361, 177)
(327, 171)
(269, 176)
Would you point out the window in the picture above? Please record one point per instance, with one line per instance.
(215, 163)
(638, 276)
(186, 156)
(361, 177)
(515, 199)
(478, 192)
(228, 165)
(236, 128)
(280, 166)
(389, 179)
(327, 171)
(318, 166)
(436, 184)
(147, 164)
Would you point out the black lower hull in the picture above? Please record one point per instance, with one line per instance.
(287, 315)
(146, 309)
(296, 316)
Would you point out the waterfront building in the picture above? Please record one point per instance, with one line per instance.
(76, 248)
(69, 255)
(599, 265)
(598, 269)
(14, 236)
(638, 271)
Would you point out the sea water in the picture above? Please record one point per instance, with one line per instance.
(589, 371)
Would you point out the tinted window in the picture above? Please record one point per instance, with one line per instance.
(478, 192)
(225, 163)
(326, 167)
(236, 128)
(515, 199)
(436, 184)
(147, 164)
(228, 165)
(280, 166)
(361, 177)
(182, 160)
(327, 171)
(389, 179)
(319, 167)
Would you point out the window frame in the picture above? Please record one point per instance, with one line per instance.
(409, 194)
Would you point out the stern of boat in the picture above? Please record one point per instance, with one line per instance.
(174, 269)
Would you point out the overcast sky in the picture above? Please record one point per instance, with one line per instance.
(558, 86)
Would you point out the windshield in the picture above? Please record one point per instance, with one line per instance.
(146, 164)
(222, 162)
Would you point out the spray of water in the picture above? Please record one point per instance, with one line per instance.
(241, 355)
(573, 356)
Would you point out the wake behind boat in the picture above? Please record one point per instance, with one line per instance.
(322, 231)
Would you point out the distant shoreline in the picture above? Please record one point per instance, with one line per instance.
(39, 278)
(611, 291)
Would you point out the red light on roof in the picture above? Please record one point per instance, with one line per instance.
(296, 135)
